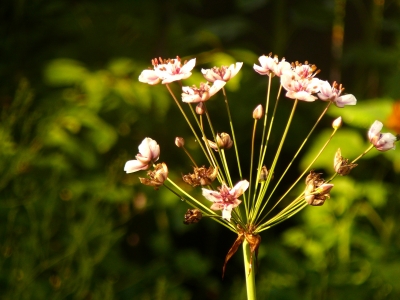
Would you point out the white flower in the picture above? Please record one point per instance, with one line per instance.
(267, 65)
(167, 70)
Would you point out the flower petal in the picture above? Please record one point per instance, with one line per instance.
(239, 188)
(134, 166)
(217, 85)
(211, 195)
(149, 76)
(346, 100)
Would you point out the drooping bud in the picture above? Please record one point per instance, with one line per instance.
(161, 172)
(179, 142)
(200, 108)
(224, 140)
(342, 165)
(192, 216)
(258, 112)
(337, 123)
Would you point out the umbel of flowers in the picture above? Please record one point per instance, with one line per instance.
(246, 205)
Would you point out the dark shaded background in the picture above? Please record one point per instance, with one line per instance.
(74, 226)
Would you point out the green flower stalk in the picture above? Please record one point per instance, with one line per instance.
(247, 205)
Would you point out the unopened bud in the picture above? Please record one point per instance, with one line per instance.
(342, 165)
(258, 112)
(156, 177)
(200, 108)
(161, 172)
(337, 123)
(324, 189)
(224, 141)
(179, 142)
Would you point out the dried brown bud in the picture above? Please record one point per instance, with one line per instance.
(317, 190)
(192, 216)
(342, 165)
(263, 174)
(224, 140)
(201, 176)
(157, 177)
(258, 112)
(179, 142)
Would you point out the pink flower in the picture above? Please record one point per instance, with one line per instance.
(305, 70)
(381, 141)
(167, 70)
(300, 88)
(149, 151)
(195, 95)
(226, 199)
(332, 93)
(267, 65)
(223, 73)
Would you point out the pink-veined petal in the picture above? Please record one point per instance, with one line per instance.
(149, 76)
(211, 195)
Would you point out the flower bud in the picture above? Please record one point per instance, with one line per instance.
(156, 177)
(342, 165)
(224, 141)
(258, 112)
(200, 108)
(161, 173)
(337, 123)
(179, 142)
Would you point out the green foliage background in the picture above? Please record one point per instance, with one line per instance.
(73, 225)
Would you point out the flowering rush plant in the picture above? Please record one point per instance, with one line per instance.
(247, 205)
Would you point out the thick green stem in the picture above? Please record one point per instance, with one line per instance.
(249, 271)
